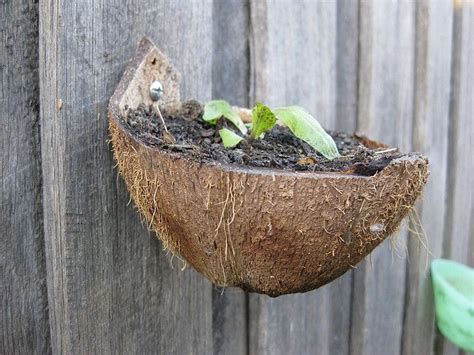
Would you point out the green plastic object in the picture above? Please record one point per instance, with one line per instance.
(453, 285)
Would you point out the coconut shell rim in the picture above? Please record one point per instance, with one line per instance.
(234, 168)
(144, 48)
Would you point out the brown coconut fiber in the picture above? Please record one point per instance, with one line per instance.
(269, 231)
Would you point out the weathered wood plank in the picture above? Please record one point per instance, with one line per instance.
(386, 89)
(230, 81)
(294, 61)
(432, 98)
(229, 321)
(111, 288)
(293, 51)
(24, 326)
(458, 236)
(461, 148)
(230, 63)
(347, 71)
(311, 323)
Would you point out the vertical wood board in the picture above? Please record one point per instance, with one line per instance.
(385, 111)
(294, 61)
(430, 127)
(230, 81)
(111, 287)
(24, 326)
(458, 232)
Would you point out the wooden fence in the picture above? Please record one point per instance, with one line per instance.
(81, 274)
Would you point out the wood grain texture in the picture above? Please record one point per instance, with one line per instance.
(431, 120)
(229, 321)
(347, 71)
(398, 71)
(230, 61)
(458, 236)
(312, 323)
(24, 326)
(230, 81)
(294, 61)
(386, 89)
(461, 128)
(111, 287)
(293, 55)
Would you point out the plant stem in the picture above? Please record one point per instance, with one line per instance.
(161, 118)
(167, 136)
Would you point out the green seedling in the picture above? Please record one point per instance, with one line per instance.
(229, 138)
(215, 109)
(297, 119)
(263, 120)
(307, 128)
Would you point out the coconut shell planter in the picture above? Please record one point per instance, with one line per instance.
(270, 230)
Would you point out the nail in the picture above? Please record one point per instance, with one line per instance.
(156, 91)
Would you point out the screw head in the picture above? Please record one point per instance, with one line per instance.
(156, 90)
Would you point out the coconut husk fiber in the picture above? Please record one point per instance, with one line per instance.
(269, 231)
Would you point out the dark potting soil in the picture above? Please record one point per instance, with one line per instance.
(279, 149)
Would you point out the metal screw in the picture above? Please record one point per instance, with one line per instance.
(156, 90)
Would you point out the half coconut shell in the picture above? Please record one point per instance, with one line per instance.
(268, 231)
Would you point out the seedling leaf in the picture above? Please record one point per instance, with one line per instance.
(215, 109)
(263, 119)
(229, 138)
(308, 129)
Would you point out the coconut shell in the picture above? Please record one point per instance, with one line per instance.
(268, 231)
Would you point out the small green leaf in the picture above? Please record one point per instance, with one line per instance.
(215, 109)
(229, 138)
(249, 126)
(307, 128)
(263, 119)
